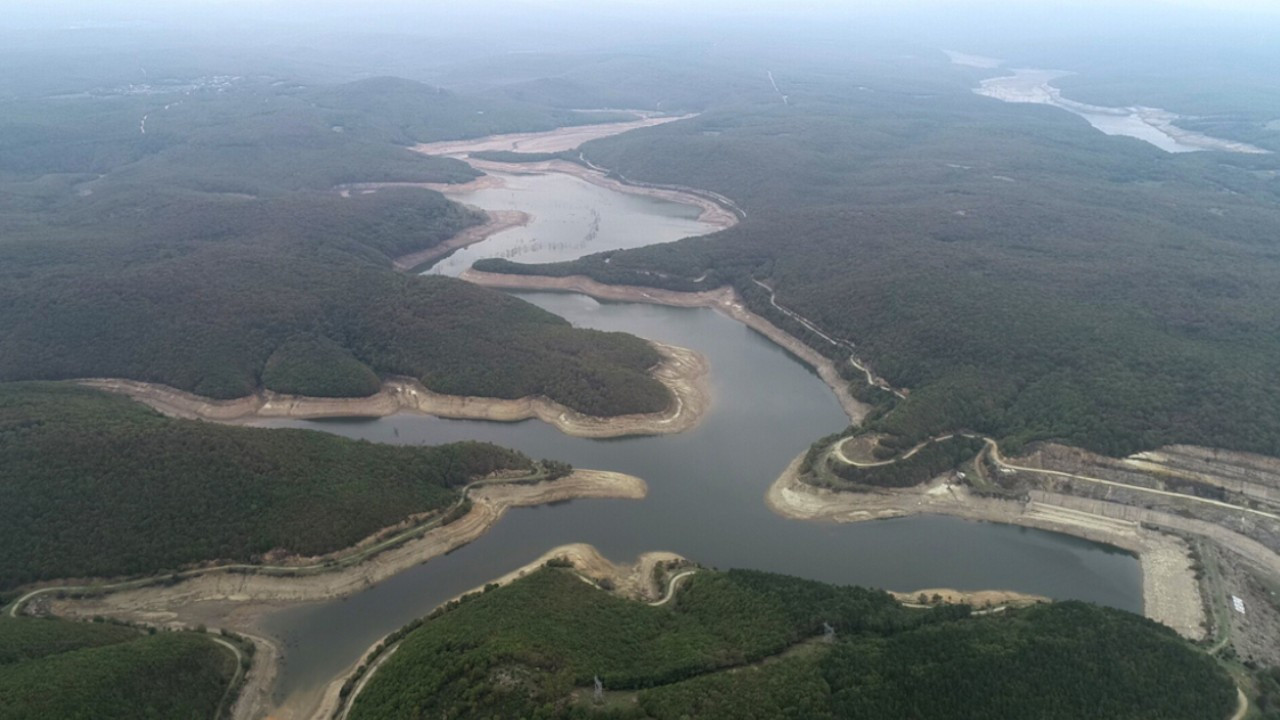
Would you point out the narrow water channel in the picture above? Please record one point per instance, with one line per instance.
(707, 486)
(1151, 125)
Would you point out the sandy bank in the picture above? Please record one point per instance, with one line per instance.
(682, 371)
(716, 210)
(499, 220)
(1035, 87)
(1169, 589)
(633, 581)
(488, 504)
(980, 599)
(550, 141)
(239, 601)
(724, 300)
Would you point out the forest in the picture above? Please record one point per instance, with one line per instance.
(214, 255)
(96, 485)
(100, 671)
(746, 644)
(932, 460)
(1021, 274)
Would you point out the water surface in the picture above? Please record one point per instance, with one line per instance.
(706, 502)
(1151, 125)
(571, 218)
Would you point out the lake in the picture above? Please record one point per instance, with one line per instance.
(1151, 125)
(706, 502)
(707, 486)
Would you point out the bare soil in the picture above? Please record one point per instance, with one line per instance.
(550, 141)
(682, 371)
(981, 599)
(1170, 592)
(1254, 635)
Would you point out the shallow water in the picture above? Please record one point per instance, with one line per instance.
(1150, 125)
(706, 502)
(570, 218)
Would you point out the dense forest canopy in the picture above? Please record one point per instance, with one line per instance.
(744, 644)
(212, 254)
(80, 671)
(1022, 274)
(95, 485)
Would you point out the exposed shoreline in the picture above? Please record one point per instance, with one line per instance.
(239, 601)
(548, 141)
(634, 581)
(682, 371)
(723, 299)
(1170, 593)
(1036, 87)
(498, 221)
(980, 600)
(488, 504)
(712, 212)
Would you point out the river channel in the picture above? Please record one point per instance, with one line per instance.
(1151, 125)
(707, 486)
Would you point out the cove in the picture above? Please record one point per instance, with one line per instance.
(705, 502)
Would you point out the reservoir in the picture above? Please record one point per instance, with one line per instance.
(707, 486)
(1151, 125)
(570, 218)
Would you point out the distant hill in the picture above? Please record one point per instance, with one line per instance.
(743, 644)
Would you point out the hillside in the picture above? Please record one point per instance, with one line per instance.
(94, 671)
(95, 485)
(743, 644)
(1022, 274)
(211, 252)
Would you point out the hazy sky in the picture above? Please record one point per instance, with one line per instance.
(932, 21)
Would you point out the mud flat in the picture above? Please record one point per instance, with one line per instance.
(1152, 125)
(723, 299)
(682, 371)
(550, 141)
(716, 210)
(1170, 592)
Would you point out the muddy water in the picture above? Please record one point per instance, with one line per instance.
(1151, 125)
(571, 218)
(705, 502)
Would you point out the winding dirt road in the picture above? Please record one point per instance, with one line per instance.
(993, 448)
(671, 587)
